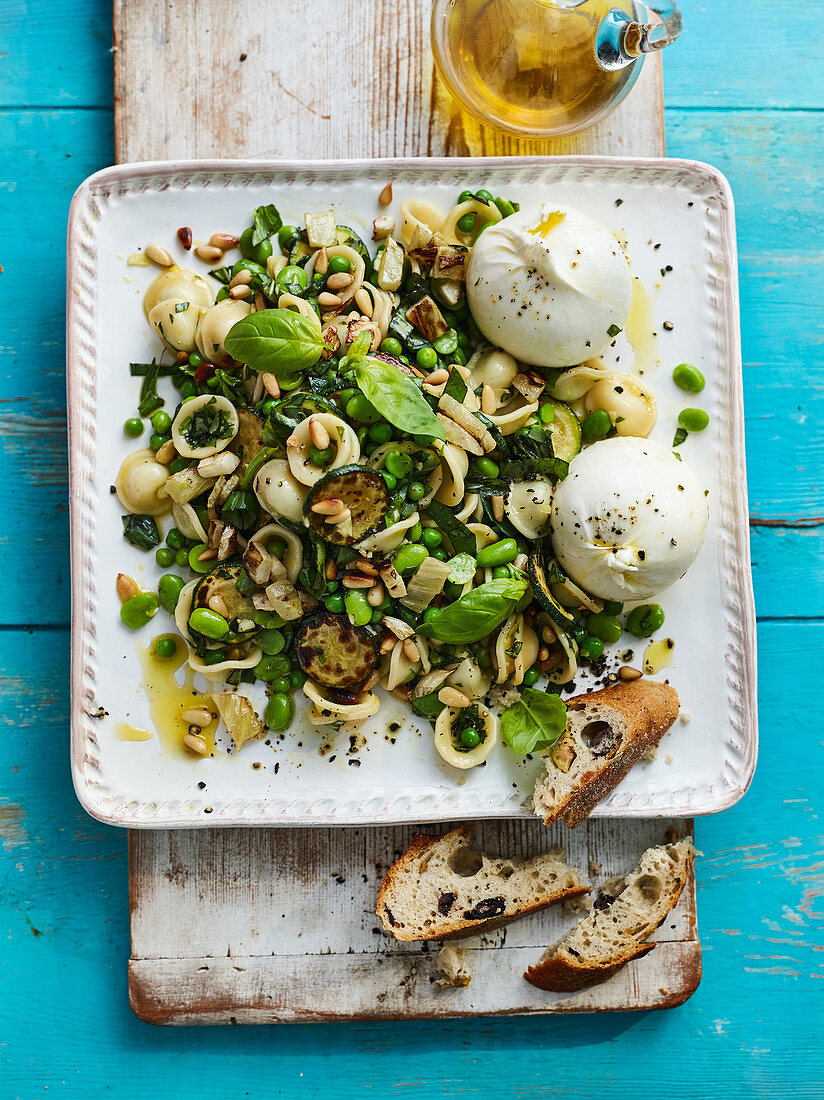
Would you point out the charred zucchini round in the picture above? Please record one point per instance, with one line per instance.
(333, 652)
(565, 430)
(222, 583)
(360, 490)
(249, 438)
(542, 578)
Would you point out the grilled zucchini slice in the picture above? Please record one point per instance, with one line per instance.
(334, 652)
(565, 430)
(222, 582)
(301, 250)
(542, 579)
(363, 492)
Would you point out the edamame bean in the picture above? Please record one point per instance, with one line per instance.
(446, 344)
(137, 611)
(271, 641)
(689, 378)
(465, 196)
(531, 677)
(279, 711)
(645, 620)
(161, 422)
(357, 607)
(268, 668)
(591, 647)
(485, 467)
(409, 557)
(287, 235)
(613, 607)
(208, 623)
(427, 358)
(497, 553)
(164, 557)
(168, 590)
(321, 457)
(133, 427)
(291, 280)
(195, 564)
(391, 482)
(165, 647)
(606, 627)
(484, 194)
(431, 537)
(597, 425)
(414, 533)
(693, 420)
(546, 414)
(338, 265)
(439, 553)
(505, 206)
(397, 463)
(182, 557)
(391, 346)
(259, 253)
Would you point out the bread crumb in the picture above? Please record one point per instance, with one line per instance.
(650, 755)
(685, 716)
(595, 868)
(451, 963)
(669, 758)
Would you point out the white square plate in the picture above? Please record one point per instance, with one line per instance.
(676, 219)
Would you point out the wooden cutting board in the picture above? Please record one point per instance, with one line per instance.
(261, 926)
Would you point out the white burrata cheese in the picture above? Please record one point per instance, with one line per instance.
(547, 285)
(629, 518)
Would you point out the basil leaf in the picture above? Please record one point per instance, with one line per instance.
(266, 221)
(429, 706)
(455, 386)
(488, 486)
(463, 568)
(475, 615)
(680, 435)
(141, 531)
(536, 721)
(222, 274)
(150, 400)
(397, 398)
(613, 330)
(240, 509)
(461, 538)
(140, 370)
(277, 341)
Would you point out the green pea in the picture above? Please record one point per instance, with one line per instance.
(208, 623)
(164, 557)
(409, 557)
(380, 433)
(398, 464)
(287, 235)
(196, 359)
(297, 678)
(591, 647)
(156, 441)
(485, 467)
(175, 539)
(466, 223)
(417, 491)
(281, 684)
(360, 409)
(497, 553)
(430, 614)
(693, 420)
(276, 547)
(357, 607)
(446, 344)
(645, 620)
(689, 378)
(391, 346)
(531, 676)
(279, 712)
(271, 641)
(500, 573)
(289, 382)
(291, 280)
(505, 206)
(334, 602)
(188, 389)
(414, 533)
(168, 590)
(137, 611)
(431, 537)
(165, 647)
(546, 414)
(161, 422)
(597, 425)
(182, 557)
(321, 457)
(133, 427)
(427, 358)
(195, 564)
(267, 668)
(613, 607)
(439, 553)
(465, 196)
(469, 737)
(606, 627)
(339, 264)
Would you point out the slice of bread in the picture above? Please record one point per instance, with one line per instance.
(607, 733)
(441, 888)
(617, 929)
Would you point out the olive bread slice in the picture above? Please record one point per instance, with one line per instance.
(441, 888)
(617, 929)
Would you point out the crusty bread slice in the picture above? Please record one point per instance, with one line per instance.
(441, 888)
(607, 733)
(617, 929)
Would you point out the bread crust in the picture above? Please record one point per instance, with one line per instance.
(648, 708)
(451, 929)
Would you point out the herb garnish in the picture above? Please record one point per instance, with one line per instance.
(459, 535)
(536, 721)
(680, 435)
(266, 221)
(397, 398)
(150, 399)
(614, 330)
(277, 341)
(141, 531)
(206, 426)
(475, 615)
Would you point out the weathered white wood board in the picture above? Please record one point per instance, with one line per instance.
(260, 926)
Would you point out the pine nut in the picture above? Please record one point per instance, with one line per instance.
(353, 580)
(627, 673)
(370, 681)
(238, 293)
(411, 651)
(223, 241)
(498, 508)
(197, 716)
(318, 434)
(126, 587)
(243, 277)
(293, 441)
(364, 566)
(328, 507)
(208, 253)
(331, 569)
(548, 635)
(208, 555)
(321, 261)
(184, 235)
(437, 377)
(451, 697)
(339, 517)
(166, 454)
(543, 653)
(219, 465)
(375, 595)
(158, 255)
(182, 357)
(521, 562)
(271, 386)
(329, 301)
(260, 302)
(387, 643)
(218, 604)
(385, 197)
(339, 281)
(195, 743)
(363, 301)
(489, 402)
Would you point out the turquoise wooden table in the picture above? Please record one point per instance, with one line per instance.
(753, 1026)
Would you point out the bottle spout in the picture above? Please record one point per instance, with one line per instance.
(622, 40)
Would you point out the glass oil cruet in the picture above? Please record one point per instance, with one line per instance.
(546, 67)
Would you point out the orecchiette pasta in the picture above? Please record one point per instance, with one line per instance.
(470, 678)
(176, 321)
(628, 401)
(419, 220)
(515, 651)
(299, 444)
(494, 368)
(279, 492)
(299, 305)
(293, 555)
(204, 426)
(528, 507)
(455, 466)
(180, 285)
(383, 542)
(448, 721)
(213, 327)
(140, 484)
(325, 711)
